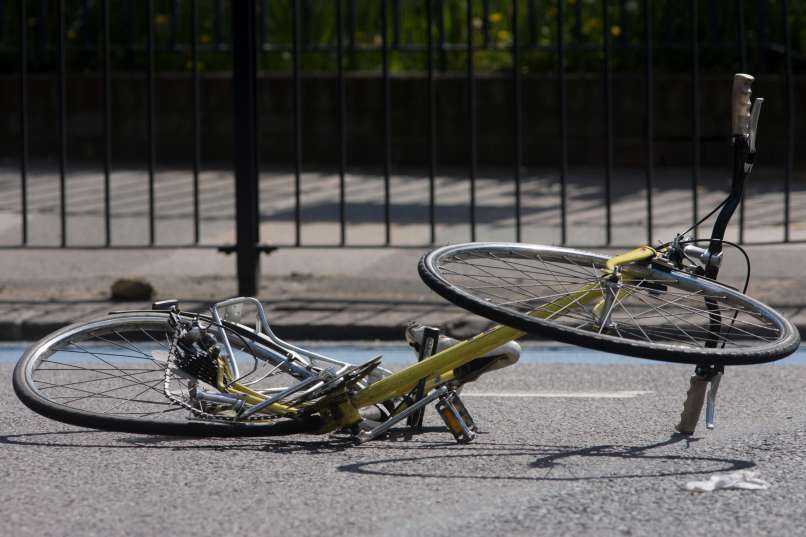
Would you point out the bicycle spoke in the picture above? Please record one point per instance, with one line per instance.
(531, 268)
(116, 388)
(133, 398)
(119, 345)
(106, 378)
(521, 274)
(707, 315)
(543, 297)
(671, 319)
(698, 328)
(565, 268)
(152, 338)
(101, 359)
(93, 353)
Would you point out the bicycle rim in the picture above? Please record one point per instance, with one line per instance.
(110, 374)
(660, 314)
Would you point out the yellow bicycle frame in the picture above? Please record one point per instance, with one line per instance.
(438, 368)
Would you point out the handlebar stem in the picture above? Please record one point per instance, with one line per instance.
(743, 158)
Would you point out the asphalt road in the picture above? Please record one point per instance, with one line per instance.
(543, 466)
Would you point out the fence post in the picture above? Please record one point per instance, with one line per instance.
(244, 93)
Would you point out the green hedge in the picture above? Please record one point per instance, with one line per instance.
(583, 32)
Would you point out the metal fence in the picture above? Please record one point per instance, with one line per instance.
(244, 31)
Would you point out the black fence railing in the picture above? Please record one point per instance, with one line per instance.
(407, 153)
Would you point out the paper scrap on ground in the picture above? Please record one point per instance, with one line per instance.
(743, 479)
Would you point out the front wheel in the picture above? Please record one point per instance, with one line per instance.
(110, 374)
(648, 311)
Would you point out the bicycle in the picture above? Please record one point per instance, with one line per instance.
(165, 371)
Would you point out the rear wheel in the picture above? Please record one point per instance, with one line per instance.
(648, 311)
(110, 374)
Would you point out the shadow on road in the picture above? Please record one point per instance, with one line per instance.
(95, 440)
(476, 461)
(632, 462)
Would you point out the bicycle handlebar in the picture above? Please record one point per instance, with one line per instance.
(744, 122)
(740, 104)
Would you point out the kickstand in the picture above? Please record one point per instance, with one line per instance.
(699, 393)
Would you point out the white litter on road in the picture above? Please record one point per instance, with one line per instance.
(624, 394)
(743, 479)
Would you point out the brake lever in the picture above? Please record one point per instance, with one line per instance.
(755, 112)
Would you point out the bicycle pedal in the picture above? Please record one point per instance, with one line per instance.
(456, 417)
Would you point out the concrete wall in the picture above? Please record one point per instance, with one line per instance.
(409, 119)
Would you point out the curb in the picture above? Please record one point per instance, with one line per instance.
(36, 330)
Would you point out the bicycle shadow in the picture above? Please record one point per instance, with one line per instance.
(170, 443)
(314, 445)
(476, 461)
(480, 461)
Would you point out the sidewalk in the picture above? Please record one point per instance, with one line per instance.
(309, 294)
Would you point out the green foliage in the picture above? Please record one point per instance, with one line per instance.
(583, 33)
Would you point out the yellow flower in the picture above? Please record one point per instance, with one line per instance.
(161, 19)
(71, 35)
(496, 17)
(615, 30)
(204, 39)
(503, 36)
(572, 2)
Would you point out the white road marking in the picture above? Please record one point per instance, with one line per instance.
(623, 394)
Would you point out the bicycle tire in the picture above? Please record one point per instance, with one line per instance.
(500, 281)
(148, 412)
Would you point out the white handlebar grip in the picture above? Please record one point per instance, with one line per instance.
(692, 407)
(740, 104)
